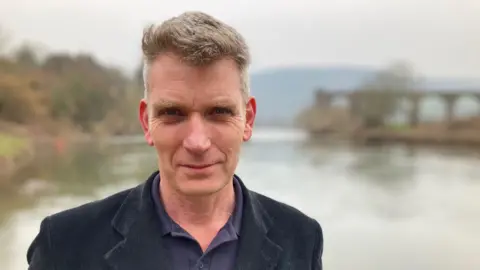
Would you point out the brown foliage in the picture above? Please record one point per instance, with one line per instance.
(64, 88)
(20, 100)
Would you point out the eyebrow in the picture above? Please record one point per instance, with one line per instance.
(164, 104)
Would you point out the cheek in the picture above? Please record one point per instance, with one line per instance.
(165, 139)
(228, 140)
(229, 132)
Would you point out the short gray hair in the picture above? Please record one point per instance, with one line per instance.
(199, 39)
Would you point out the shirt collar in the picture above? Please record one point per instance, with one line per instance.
(169, 226)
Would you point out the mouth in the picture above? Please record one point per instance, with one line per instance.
(198, 166)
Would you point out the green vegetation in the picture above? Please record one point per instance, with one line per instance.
(398, 127)
(11, 146)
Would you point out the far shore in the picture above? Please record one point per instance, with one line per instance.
(462, 132)
(461, 138)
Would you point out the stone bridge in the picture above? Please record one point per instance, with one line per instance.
(324, 99)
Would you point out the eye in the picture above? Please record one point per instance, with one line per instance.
(221, 111)
(170, 112)
(171, 115)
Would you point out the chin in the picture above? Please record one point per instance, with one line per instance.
(201, 186)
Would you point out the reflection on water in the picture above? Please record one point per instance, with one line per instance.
(387, 207)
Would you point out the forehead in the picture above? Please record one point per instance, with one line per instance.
(171, 78)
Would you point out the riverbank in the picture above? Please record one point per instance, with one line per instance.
(339, 123)
(464, 132)
(15, 151)
(19, 144)
(461, 138)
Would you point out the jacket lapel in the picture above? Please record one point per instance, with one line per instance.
(256, 250)
(141, 247)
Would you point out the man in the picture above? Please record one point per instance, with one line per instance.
(194, 213)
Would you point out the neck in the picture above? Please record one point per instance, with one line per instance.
(199, 211)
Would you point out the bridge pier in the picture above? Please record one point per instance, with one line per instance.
(323, 99)
(478, 101)
(450, 100)
(414, 100)
(353, 104)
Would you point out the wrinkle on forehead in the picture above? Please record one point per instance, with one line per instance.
(172, 81)
(192, 98)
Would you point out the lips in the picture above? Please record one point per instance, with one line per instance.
(198, 166)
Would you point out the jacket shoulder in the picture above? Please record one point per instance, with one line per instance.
(300, 235)
(285, 216)
(82, 225)
(96, 210)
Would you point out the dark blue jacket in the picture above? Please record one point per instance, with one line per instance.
(121, 232)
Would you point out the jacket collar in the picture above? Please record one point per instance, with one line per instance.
(142, 246)
(167, 224)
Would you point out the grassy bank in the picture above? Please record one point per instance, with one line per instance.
(11, 146)
(14, 152)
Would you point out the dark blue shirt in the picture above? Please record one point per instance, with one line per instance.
(186, 253)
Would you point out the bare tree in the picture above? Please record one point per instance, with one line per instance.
(380, 97)
(26, 55)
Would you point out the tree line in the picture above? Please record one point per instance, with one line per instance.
(62, 90)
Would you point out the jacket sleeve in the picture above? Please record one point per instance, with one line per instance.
(39, 253)
(318, 248)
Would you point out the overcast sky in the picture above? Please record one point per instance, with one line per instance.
(439, 37)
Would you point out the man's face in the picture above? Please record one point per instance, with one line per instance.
(197, 120)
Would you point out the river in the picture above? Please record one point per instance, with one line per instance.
(388, 207)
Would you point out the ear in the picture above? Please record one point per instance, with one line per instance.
(251, 112)
(144, 120)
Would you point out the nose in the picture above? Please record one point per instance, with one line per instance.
(197, 140)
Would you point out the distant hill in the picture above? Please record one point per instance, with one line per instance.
(282, 93)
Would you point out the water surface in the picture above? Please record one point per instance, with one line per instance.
(389, 207)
